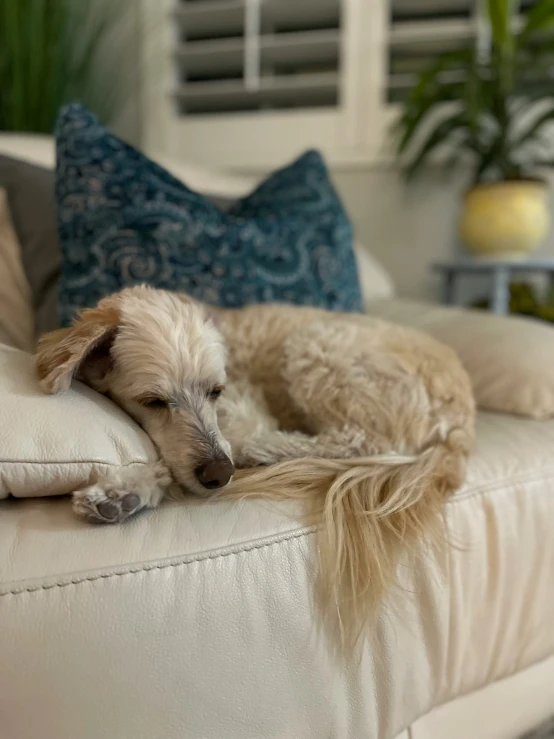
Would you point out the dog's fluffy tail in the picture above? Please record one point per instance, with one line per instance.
(369, 511)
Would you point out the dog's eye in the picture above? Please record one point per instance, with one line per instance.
(154, 403)
(215, 392)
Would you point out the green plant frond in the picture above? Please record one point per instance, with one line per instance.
(527, 155)
(490, 158)
(500, 16)
(478, 94)
(539, 18)
(432, 90)
(535, 62)
(491, 105)
(533, 89)
(413, 119)
(460, 146)
(430, 82)
(50, 52)
(534, 128)
(438, 136)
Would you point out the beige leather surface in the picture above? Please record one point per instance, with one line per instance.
(51, 445)
(34, 148)
(16, 310)
(509, 359)
(504, 709)
(197, 620)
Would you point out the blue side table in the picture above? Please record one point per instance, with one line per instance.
(499, 273)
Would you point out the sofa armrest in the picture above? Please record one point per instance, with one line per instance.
(510, 359)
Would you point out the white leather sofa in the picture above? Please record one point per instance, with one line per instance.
(197, 620)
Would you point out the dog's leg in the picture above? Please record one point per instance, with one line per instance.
(339, 379)
(255, 437)
(122, 492)
(271, 447)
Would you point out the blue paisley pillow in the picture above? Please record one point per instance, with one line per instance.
(124, 220)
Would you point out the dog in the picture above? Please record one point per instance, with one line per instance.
(368, 424)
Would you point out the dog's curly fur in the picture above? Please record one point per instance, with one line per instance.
(367, 423)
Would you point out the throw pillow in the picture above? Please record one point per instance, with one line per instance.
(31, 197)
(53, 445)
(124, 220)
(509, 359)
(31, 200)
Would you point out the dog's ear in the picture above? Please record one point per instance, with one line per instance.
(83, 350)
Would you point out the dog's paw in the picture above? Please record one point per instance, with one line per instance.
(100, 505)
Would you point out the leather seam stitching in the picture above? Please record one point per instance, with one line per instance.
(252, 547)
(151, 568)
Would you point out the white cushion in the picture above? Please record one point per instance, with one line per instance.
(41, 150)
(16, 309)
(33, 148)
(510, 360)
(198, 620)
(51, 445)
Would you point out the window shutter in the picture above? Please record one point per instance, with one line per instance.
(256, 55)
(250, 84)
(421, 29)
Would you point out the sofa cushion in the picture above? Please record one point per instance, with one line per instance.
(198, 619)
(35, 148)
(16, 309)
(31, 198)
(51, 445)
(509, 359)
(124, 220)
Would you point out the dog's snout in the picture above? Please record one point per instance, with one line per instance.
(215, 474)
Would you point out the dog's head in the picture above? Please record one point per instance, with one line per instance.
(160, 357)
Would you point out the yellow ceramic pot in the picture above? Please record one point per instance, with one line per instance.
(505, 220)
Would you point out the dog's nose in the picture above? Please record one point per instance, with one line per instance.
(215, 474)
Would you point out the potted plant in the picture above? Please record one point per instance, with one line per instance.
(493, 102)
(55, 51)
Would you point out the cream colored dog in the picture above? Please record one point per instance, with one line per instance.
(368, 423)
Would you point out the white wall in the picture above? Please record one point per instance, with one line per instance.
(123, 48)
(409, 227)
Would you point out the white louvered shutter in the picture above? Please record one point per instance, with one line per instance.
(257, 55)
(252, 83)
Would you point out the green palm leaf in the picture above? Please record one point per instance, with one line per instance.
(429, 93)
(500, 17)
(535, 127)
(539, 18)
(438, 136)
(482, 110)
(49, 55)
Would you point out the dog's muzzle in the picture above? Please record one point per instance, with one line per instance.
(215, 474)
